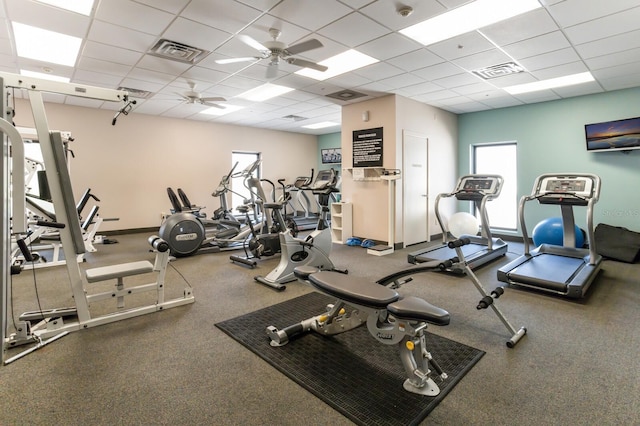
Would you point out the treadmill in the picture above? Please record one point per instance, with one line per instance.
(564, 270)
(478, 189)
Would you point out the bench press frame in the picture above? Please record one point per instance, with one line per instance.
(71, 236)
(388, 319)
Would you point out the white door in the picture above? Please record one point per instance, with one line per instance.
(415, 188)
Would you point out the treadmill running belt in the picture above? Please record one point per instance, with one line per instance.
(445, 253)
(547, 270)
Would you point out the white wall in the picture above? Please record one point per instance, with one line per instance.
(130, 165)
(441, 129)
(395, 113)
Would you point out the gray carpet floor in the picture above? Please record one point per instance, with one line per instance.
(578, 364)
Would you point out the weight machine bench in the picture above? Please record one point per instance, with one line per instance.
(390, 319)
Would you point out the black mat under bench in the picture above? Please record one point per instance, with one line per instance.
(352, 372)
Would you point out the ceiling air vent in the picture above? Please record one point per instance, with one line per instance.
(136, 93)
(177, 51)
(346, 95)
(499, 70)
(295, 117)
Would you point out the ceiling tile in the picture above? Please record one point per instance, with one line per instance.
(551, 59)
(310, 14)
(385, 12)
(537, 45)
(112, 35)
(127, 14)
(111, 53)
(388, 46)
(417, 59)
(604, 27)
(614, 59)
(572, 12)
(229, 16)
(528, 25)
(463, 45)
(171, 6)
(342, 30)
(608, 45)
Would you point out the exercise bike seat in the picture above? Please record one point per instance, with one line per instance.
(359, 291)
(414, 308)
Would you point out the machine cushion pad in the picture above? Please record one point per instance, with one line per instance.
(359, 291)
(414, 308)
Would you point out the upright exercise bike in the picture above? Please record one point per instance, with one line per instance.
(314, 250)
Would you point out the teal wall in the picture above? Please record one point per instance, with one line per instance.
(550, 138)
(331, 140)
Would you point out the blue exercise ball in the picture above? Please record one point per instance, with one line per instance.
(549, 231)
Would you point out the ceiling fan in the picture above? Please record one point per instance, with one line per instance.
(276, 50)
(193, 97)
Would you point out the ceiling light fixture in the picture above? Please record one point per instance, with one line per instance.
(264, 92)
(339, 64)
(321, 125)
(568, 80)
(44, 45)
(470, 17)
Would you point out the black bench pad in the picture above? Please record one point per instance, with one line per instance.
(354, 290)
(414, 308)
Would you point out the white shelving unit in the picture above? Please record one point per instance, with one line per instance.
(341, 221)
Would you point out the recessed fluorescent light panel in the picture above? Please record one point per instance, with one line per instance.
(44, 76)
(339, 64)
(568, 80)
(321, 125)
(44, 45)
(264, 92)
(79, 6)
(470, 17)
(219, 111)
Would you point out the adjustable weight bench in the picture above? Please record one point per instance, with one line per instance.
(390, 319)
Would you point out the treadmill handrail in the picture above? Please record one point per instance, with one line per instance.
(481, 207)
(535, 195)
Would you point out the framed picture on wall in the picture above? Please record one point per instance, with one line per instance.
(331, 155)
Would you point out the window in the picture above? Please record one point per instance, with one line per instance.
(240, 192)
(500, 159)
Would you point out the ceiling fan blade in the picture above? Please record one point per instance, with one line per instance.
(252, 43)
(183, 97)
(233, 60)
(213, 105)
(303, 47)
(215, 99)
(306, 64)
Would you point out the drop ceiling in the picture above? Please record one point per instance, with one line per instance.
(563, 37)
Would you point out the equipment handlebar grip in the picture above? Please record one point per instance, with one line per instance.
(56, 225)
(459, 242)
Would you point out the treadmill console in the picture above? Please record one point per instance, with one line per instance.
(476, 187)
(575, 190)
(325, 181)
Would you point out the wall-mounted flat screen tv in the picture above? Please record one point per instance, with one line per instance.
(331, 156)
(618, 135)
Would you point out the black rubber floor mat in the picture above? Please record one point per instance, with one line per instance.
(352, 372)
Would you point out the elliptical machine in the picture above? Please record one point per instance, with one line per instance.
(315, 248)
(186, 233)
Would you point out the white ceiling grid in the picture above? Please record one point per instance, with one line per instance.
(563, 37)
